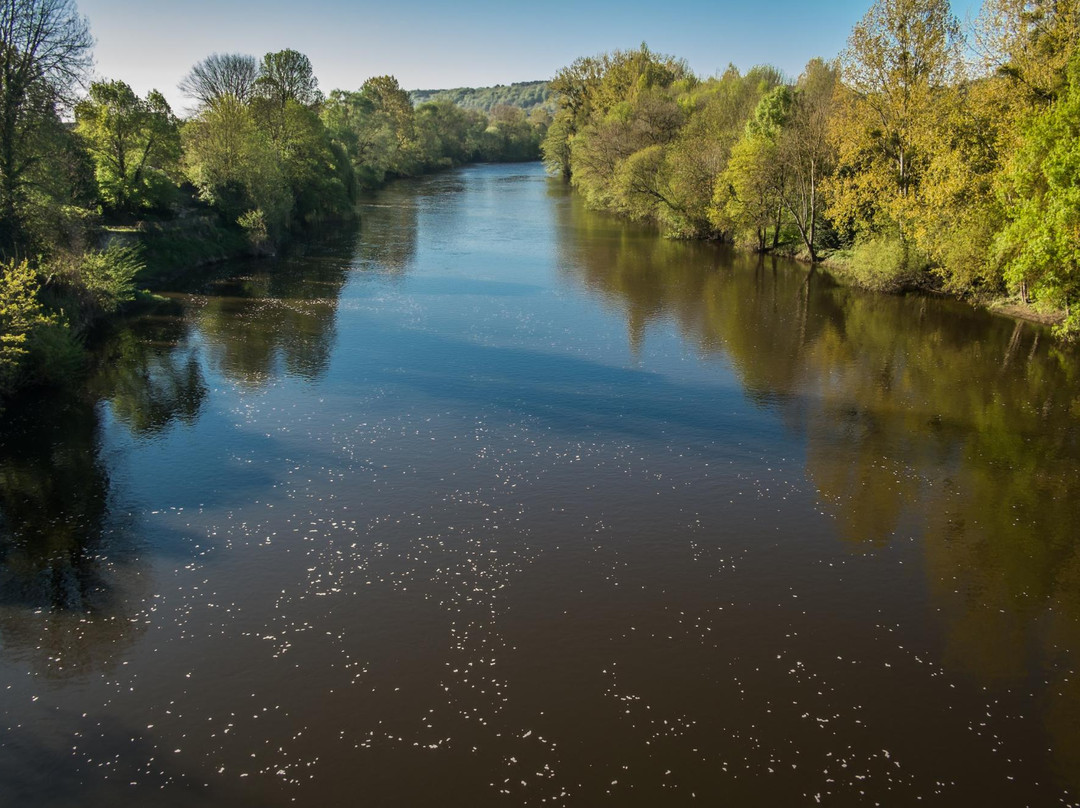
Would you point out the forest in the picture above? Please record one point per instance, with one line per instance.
(923, 156)
(101, 187)
(524, 94)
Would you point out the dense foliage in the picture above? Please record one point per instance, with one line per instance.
(264, 152)
(523, 94)
(905, 163)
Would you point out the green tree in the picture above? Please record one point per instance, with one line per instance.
(1030, 42)
(806, 153)
(1040, 243)
(234, 165)
(447, 134)
(44, 53)
(716, 112)
(20, 313)
(377, 126)
(287, 75)
(135, 143)
(749, 193)
(286, 81)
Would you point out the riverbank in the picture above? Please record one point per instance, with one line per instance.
(838, 263)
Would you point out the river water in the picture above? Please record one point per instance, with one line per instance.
(492, 500)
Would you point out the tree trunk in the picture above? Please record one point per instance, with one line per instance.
(776, 229)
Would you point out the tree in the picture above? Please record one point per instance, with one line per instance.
(716, 113)
(221, 74)
(287, 75)
(1030, 42)
(320, 179)
(805, 151)
(1040, 244)
(378, 127)
(285, 79)
(749, 193)
(447, 134)
(234, 165)
(135, 143)
(746, 192)
(898, 56)
(44, 52)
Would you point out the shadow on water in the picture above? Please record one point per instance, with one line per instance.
(914, 411)
(68, 566)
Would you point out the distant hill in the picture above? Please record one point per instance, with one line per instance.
(524, 94)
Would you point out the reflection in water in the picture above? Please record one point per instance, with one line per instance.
(918, 415)
(150, 375)
(387, 241)
(281, 312)
(66, 564)
(70, 570)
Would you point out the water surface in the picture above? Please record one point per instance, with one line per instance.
(495, 501)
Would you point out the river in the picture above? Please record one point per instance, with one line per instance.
(491, 500)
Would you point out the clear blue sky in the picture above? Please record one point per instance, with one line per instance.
(150, 43)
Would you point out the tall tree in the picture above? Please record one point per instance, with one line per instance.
(1040, 244)
(133, 140)
(898, 56)
(286, 79)
(44, 53)
(805, 151)
(233, 164)
(749, 193)
(221, 74)
(1030, 42)
(287, 75)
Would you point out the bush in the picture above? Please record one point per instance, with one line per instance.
(109, 276)
(886, 263)
(55, 356)
(21, 316)
(258, 234)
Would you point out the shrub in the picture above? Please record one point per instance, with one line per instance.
(21, 313)
(886, 263)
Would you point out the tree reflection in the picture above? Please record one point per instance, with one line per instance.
(919, 414)
(388, 228)
(280, 318)
(68, 568)
(151, 376)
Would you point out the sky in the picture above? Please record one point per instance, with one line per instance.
(439, 45)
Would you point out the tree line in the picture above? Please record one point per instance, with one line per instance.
(524, 94)
(263, 152)
(924, 155)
